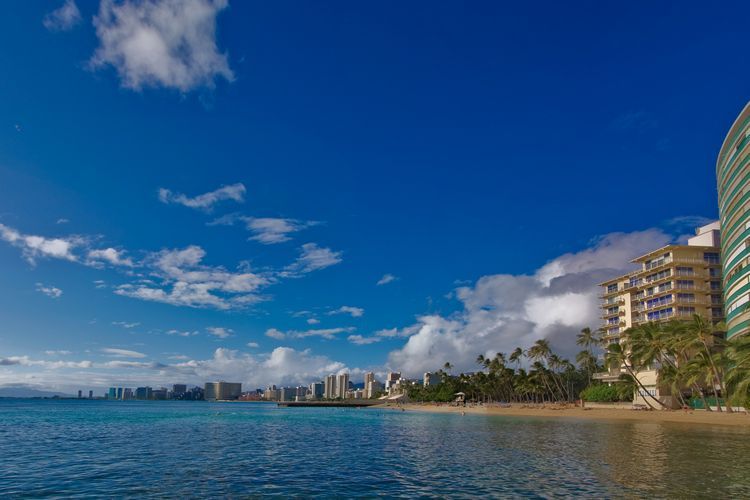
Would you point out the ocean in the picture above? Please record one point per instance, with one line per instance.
(96, 448)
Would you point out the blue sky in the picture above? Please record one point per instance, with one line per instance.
(495, 160)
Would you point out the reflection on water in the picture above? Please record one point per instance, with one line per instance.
(175, 449)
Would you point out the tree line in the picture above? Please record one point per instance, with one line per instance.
(692, 358)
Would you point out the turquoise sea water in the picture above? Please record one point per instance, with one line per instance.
(194, 449)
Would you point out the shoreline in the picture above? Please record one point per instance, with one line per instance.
(598, 414)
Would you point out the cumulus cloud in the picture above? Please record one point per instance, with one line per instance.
(220, 332)
(354, 312)
(283, 366)
(326, 333)
(205, 201)
(161, 43)
(34, 247)
(58, 353)
(265, 230)
(110, 255)
(313, 321)
(387, 278)
(122, 353)
(502, 312)
(312, 258)
(49, 291)
(188, 282)
(64, 18)
(252, 345)
(360, 340)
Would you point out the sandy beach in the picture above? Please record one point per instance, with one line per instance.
(549, 411)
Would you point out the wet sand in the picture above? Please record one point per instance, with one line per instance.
(551, 411)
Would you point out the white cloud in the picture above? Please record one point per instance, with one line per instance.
(269, 230)
(161, 43)
(100, 284)
(220, 332)
(265, 230)
(387, 278)
(62, 221)
(58, 353)
(49, 291)
(34, 247)
(354, 312)
(63, 18)
(125, 324)
(313, 321)
(179, 357)
(312, 258)
(283, 366)
(205, 201)
(182, 333)
(360, 340)
(187, 282)
(502, 312)
(110, 255)
(326, 333)
(122, 353)
(253, 345)
(275, 334)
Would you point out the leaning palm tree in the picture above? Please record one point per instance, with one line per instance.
(618, 357)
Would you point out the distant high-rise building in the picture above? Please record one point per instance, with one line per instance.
(329, 391)
(222, 391)
(80, 394)
(287, 394)
(372, 388)
(178, 390)
(342, 385)
(317, 389)
(271, 393)
(732, 179)
(112, 393)
(143, 393)
(127, 394)
(119, 393)
(391, 379)
(159, 394)
(91, 394)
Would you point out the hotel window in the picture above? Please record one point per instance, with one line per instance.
(611, 288)
(686, 310)
(685, 284)
(717, 312)
(716, 285)
(613, 321)
(686, 297)
(661, 314)
(613, 310)
(684, 271)
(714, 272)
(711, 257)
(716, 299)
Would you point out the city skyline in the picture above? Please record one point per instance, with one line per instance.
(230, 222)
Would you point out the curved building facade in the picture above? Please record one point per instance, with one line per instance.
(733, 182)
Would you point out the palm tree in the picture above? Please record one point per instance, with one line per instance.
(587, 339)
(738, 375)
(618, 357)
(515, 357)
(587, 362)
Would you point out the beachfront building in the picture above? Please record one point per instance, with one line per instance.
(673, 282)
(329, 391)
(431, 379)
(342, 385)
(271, 393)
(733, 183)
(372, 388)
(391, 380)
(222, 391)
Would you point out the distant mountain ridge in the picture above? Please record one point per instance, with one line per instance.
(22, 391)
